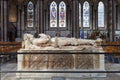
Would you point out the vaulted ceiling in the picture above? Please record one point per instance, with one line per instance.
(18, 2)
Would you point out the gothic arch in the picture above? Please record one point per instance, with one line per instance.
(30, 13)
(86, 14)
(104, 2)
(101, 12)
(105, 14)
(57, 3)
(62, 31)
(48, 2)
(25, 2)
(89, 1)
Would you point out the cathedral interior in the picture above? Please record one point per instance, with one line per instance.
(81, 19)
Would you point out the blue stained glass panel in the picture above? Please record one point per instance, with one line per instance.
(30, 14)
(86, 14)
(53, 14)
(62, 14)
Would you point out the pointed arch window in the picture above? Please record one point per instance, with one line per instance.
(53, 14)
(57, 14)
(30, 14)
(79, 15)
(86, 14)
(100, 14)
(62, 14)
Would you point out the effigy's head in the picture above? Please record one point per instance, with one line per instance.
(28, 36)
(99, 40)
(42, 35)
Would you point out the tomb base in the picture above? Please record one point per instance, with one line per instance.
(60, 62)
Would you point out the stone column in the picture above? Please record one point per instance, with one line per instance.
(5, 19)
(75, 15)
(2, 21)
(68, 22)
(19, 23)
(115, 17)
(41, 16)
(95, 20)
(37, 16)
(110, 19)
(118, 27)
(82, 17)
(22, 23)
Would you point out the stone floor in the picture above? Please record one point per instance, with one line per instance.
(11, 65)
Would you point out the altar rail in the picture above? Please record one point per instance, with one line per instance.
(114, 49)
(6, 47)
(111, 46)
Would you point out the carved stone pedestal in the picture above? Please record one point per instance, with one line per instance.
(60, 62)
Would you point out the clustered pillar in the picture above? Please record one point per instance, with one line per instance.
(110, 20)
(4, 20)
(19, 23)
(75, 15)
(41, 16)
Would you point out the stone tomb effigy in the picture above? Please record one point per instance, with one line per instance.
(59, 62)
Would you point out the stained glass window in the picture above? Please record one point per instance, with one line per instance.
(100, 14)
(79, 15)
(53, 14)
(30, 14)
(62, 14)
(86, 14)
